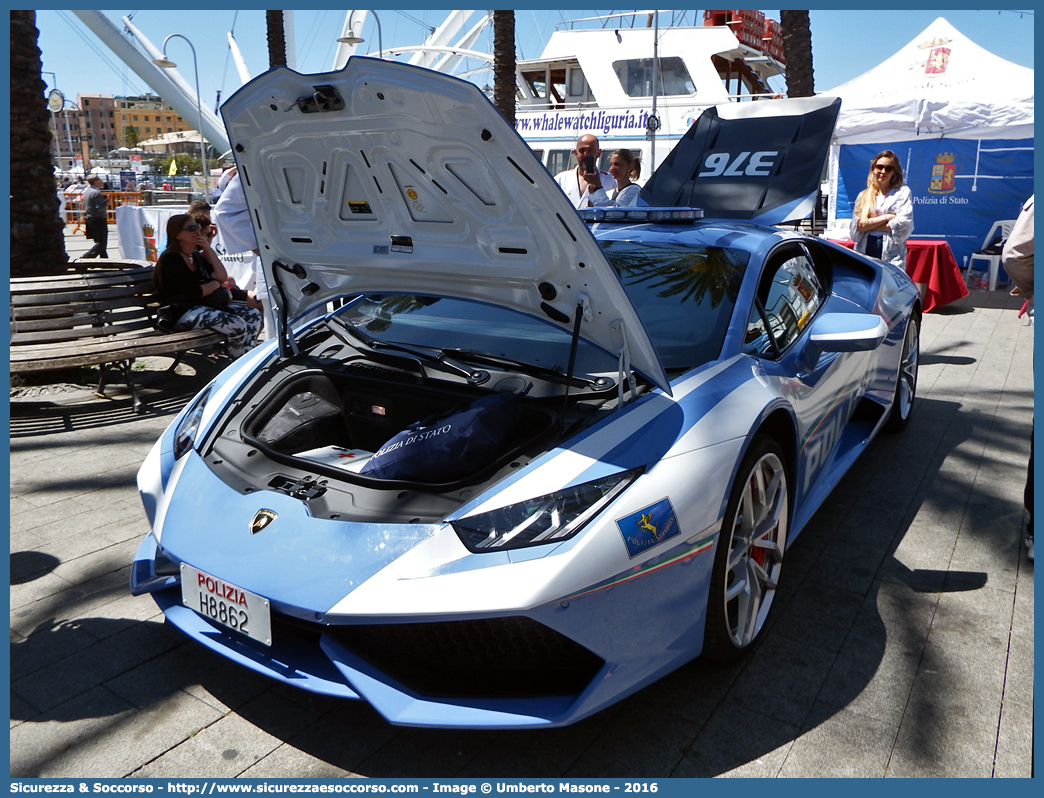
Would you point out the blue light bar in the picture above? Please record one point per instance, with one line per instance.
(641, 214)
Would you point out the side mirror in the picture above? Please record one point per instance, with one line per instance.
(844, 332)
(848, 332)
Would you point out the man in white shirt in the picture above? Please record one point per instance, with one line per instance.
(585, 186)
(222, 183)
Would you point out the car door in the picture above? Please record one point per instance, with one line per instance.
(822, 388)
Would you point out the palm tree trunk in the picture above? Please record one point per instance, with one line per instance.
(276, 38)
(504, 63)
(797, 52)
(37, 232)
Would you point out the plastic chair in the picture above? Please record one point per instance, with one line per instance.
(1003, 229)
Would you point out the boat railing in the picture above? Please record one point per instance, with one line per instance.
(687, 102)
(630, 17)
(759, 96)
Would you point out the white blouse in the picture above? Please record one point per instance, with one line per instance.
(893, 249)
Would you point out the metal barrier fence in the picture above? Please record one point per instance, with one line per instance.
(113, 199)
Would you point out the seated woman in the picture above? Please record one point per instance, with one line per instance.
(209, 231)
(190, 277)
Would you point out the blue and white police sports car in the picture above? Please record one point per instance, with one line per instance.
(529, 463)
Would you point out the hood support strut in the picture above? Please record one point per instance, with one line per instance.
(287, 345)
(573, 345)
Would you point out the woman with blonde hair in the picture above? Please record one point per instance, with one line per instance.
(883, 216)
(624, 168)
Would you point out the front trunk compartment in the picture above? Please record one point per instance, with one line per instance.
(308, 423)
(359, 408)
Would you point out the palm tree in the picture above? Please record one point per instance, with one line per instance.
(276, 38)
(692, 274)
(504, 64)
(797, 52)
(37, 232)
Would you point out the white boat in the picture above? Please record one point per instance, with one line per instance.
(600, 79)
(626, 77)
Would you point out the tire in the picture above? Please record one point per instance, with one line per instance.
(906, 379)
(749, 554)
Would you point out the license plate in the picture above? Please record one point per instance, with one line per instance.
(226, 604)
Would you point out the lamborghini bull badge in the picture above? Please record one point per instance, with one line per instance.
(262, 518)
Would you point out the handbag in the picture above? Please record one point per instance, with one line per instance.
(219, 299)
(166, 318)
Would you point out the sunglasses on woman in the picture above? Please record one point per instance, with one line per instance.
(884, 167)
(192, 228)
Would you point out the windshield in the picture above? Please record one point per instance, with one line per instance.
(455, 324)
(684, 295)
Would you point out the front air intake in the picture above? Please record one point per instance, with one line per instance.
(513, 657)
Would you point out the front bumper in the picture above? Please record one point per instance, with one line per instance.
(320, 658)
(521, 672)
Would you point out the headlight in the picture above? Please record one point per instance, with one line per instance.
(185, 434)
(545, 519)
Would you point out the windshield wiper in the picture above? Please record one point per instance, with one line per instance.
(533, 370)
(424, 355)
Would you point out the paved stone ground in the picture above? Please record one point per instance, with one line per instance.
(901, 644)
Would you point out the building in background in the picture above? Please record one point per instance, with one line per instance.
(106, 123)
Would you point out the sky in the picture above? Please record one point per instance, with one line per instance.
(76, 61)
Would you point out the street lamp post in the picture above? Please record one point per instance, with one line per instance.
(167, 64)
(68, 135)
(55, 102)
(353, 39)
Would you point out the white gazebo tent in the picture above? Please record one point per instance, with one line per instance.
(940, 84)
(940, 88)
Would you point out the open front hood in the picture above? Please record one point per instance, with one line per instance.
(384, 177)
(760, 161)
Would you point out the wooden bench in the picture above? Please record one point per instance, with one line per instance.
(94, 317)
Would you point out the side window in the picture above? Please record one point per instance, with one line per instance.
(559, 161)
(788, 298)
(537, 81)
(636, 77)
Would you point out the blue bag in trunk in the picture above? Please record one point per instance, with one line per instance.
(447, 448)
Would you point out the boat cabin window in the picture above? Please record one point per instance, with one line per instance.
(537, 82)
(559, 161)
(577, 84)
(548, 85)
(636, 77)
(558, 85)
(740, 81)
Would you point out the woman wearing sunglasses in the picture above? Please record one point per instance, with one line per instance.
(883, 217)
(209, 231)
(191, 279)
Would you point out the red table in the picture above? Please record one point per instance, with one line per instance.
(932, 267)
